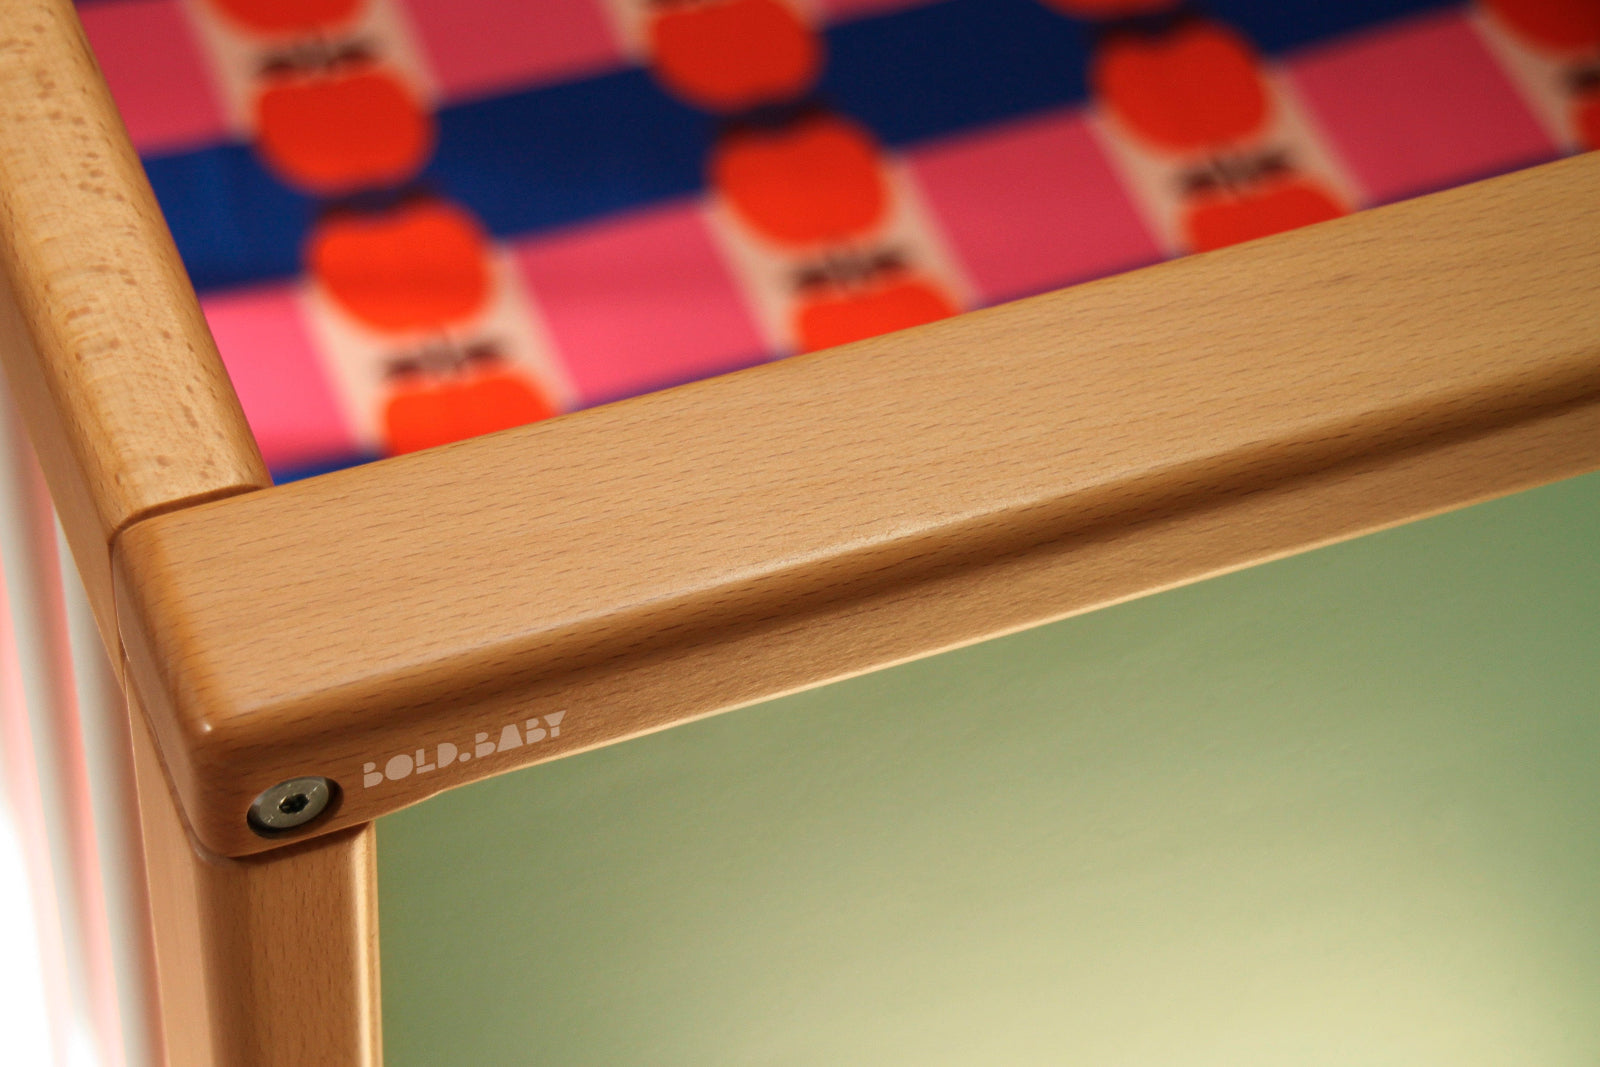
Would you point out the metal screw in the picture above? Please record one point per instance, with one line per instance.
(290, 805)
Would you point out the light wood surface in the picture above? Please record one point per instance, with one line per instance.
(642, 564)
(267, 961)
(126, 400)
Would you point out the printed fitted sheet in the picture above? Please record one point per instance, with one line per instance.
(414, 221)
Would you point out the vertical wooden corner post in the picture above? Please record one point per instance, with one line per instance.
(266, 960)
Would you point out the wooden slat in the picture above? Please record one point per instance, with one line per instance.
(642, 564)
(125, 397)
(261, 962)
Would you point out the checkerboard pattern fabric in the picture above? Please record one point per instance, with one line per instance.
(414, 221)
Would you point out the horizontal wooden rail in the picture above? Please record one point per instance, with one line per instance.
(412, 625)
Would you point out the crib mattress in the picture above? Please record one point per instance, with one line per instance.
(413, 221)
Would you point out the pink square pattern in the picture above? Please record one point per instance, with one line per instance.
(1417, 106)
(1032, 205)
(640, 302)
(279, 377)
(157, 74)
(481, 47)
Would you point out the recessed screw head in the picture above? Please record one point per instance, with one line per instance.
(290, 805)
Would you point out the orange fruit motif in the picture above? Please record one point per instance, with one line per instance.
(1219, 220)
(343, 129)
(815, 181)
(730, 55)
(841, 317)
(422, 413)
(1111, 9)
(1586, 117)
(1197, 87)
(1561, 25)
(284, 17)
(421, 266)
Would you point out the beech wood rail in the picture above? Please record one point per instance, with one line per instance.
(411, 625)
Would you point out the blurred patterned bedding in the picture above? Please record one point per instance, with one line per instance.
(413, 221)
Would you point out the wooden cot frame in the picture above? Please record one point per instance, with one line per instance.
(416, 624)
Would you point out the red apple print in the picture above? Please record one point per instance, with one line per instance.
(1560, 25)
(284, 17)
(344, 128)
(730, 55)
(421, 266)
(839, 317)
(1196, 87)
(1586, 117)
(1111, 9)
(815, 181)
(1220, 219)
(424, 412)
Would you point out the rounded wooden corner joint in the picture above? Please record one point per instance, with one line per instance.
(413, 625)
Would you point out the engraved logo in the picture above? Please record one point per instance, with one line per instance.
(531, 732)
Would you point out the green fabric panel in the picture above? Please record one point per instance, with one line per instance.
(1339, 809)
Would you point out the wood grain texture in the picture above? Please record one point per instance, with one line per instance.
(125, 397)
(261, 962)
(266, 961)
(679, 554)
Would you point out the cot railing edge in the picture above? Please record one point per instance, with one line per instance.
(1298, 390)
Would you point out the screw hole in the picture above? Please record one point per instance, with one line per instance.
(291, 804)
